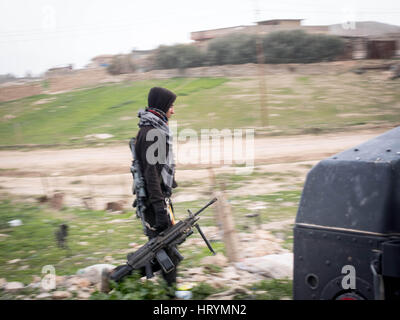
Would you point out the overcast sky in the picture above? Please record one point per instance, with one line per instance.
(37, 35)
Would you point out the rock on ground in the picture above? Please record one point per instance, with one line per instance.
(13, 286)
(93, 273)
(14, 261)
(218, 260)
(275, 266)
(229, 294)
(83, 283)
(43, 295)
(3, 282)
(58, 295)
(84, 295)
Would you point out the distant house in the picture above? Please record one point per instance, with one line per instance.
(59, 70)
(369, 39)
(101, 61)
(140, 58)
(202, 37)
(262, 27)
(364, 40)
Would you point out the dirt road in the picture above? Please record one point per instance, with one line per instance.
(103, 173)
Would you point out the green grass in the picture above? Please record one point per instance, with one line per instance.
(233, 181)
(305, 104)
(303, 80)
(133, 288)
(275, 207)
(273, 289)
(75, 114)
(287, 235)
(92, 238)
(203, 290)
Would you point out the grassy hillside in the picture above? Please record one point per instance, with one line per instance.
(295, 104)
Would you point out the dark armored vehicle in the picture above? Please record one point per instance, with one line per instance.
(348, 225)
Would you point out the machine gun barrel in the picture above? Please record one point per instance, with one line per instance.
(205, 207)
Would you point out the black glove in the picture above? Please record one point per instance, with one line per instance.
(162, 220)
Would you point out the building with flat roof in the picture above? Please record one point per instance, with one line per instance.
(261, 27)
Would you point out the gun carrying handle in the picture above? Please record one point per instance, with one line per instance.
(205, 239)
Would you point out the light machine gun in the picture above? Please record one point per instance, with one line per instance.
(155, 248)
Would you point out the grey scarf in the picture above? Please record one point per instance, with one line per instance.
(149, 119)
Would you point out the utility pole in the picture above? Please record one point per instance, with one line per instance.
(261, 69)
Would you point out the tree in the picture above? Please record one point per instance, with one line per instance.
(300, 47)
(178, 56)
(121, 64)
(232, 49)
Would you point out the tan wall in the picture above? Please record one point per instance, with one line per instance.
(57, 83)
(18, 91)
(291, 23)
(78, 79)
(246, 70)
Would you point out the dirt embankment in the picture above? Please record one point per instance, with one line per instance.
(91, 77)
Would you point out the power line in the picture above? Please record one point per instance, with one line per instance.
(334, 5)
(99, 28)
(41, 31)
(331, 12)
(66, 33)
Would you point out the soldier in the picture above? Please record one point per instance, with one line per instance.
(154, 151)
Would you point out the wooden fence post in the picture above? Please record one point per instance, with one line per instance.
(225, 221)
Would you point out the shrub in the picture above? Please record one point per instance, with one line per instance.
(279, 47)
(121, 64)
(178, 56)
(202, 291)
(300, 47)
(232, 49)
(134, 288)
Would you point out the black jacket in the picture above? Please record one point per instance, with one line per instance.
(155, 189)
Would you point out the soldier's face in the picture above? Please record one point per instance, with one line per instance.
(170, 112)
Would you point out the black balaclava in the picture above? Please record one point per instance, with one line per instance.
(161, 98)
